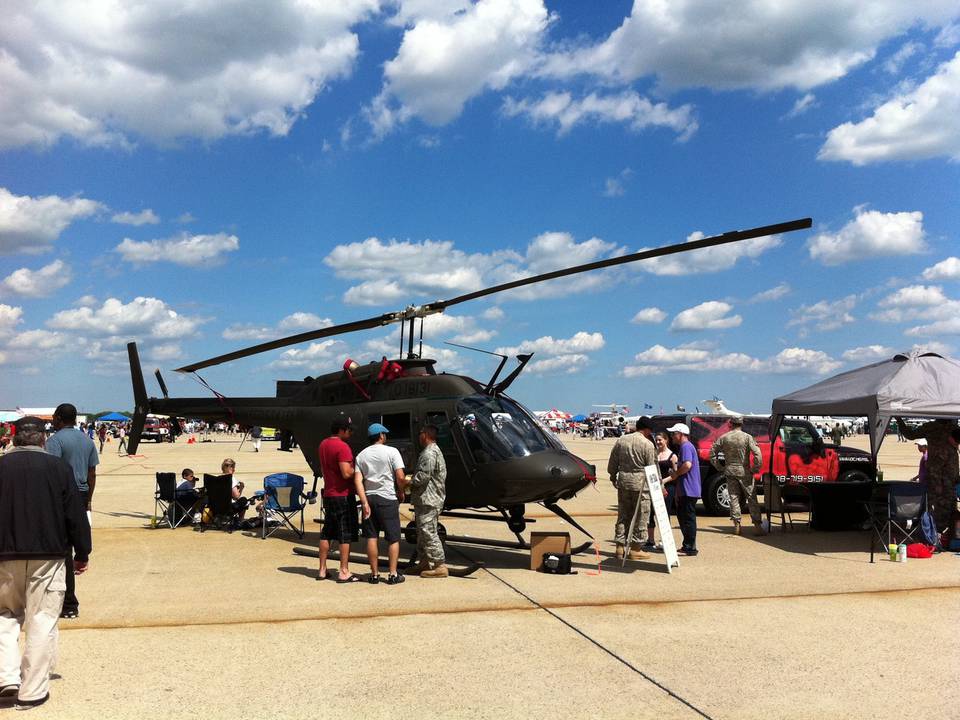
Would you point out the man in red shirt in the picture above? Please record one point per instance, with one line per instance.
(339, 504)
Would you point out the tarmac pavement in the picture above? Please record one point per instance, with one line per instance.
(792, 625)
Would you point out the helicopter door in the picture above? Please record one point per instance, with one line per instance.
(444, 436)
(401, 435)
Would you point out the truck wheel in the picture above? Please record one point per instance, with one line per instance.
(716, 499)
(854, 476)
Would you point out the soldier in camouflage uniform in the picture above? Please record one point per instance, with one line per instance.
(428, 493)
(736, 447)
(943, 467)
(630, 455)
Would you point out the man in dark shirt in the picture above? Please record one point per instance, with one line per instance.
(41, 518)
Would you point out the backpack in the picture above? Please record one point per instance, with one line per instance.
(929, 530)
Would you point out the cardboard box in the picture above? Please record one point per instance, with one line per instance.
(547, 542)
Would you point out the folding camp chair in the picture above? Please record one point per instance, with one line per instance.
(786, 501)
(895, 509)
(223, 514)
(283, 499)
(167, 508)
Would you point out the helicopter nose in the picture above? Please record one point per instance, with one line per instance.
(552, 476)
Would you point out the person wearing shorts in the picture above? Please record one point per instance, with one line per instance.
(378, 477)
(339, 503)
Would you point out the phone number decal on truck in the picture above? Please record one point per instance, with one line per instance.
(800, 479)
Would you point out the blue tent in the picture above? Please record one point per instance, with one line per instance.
(113, 417)
(578, 418)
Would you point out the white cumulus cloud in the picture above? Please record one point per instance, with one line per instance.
(710, 315)
(774, 293)
(37, 283)
(103, 72)
(317, 356)
(652, 315)
(10, 317)
(869, 353)
(825, 314)
(760, 45)
(708, 260)
(658, 360)
(142, 317)
(292, 324)
(870, 234)
(579, 343)
(559, 365)
(400, 271)
(948, 269)
(33, 224)
(563, 111)
(38, 340)
(915, 296)
(144, 217)
(922, 123)
(446, 58)
(188, 250)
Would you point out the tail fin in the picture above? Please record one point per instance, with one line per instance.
(141, 403)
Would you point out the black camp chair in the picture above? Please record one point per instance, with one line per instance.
(223, 513)
(166, 507)
(893, 507)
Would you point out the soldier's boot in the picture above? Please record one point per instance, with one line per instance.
(736, 527)
(638, 555)
(440, 571)
(619, 552)
(418, 568)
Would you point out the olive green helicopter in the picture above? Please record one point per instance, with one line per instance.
(499, 457)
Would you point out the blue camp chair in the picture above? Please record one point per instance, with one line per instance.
(283, 499)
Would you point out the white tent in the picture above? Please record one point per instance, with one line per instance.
(914, 384)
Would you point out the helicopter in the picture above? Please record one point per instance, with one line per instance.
(499, 457)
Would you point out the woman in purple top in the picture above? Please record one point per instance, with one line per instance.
(921, 475)
(687, 480)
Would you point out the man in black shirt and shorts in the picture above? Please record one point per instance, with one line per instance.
(380, 469)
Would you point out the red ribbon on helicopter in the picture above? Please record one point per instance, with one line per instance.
(389, 371)
(348, 367)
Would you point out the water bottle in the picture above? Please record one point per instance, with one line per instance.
(901, 553)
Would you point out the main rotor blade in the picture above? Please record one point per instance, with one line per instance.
(727, 237)
(292, 340)
(441, 305)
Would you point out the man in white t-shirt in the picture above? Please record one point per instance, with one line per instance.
(380, 468)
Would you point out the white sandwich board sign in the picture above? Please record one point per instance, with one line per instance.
(655, 485)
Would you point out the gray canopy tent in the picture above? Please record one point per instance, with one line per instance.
(915, 384)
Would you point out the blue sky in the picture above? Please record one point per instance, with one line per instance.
(203, 176)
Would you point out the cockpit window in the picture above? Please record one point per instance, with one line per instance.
(498, 429)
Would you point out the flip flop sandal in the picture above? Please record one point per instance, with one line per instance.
(374, 579)
(395, 579)
(324, 577)
(348, 580)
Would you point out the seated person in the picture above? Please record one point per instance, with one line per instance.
(240, 503)
(187, 494)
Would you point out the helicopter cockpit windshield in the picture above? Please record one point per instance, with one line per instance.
(497, 428)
